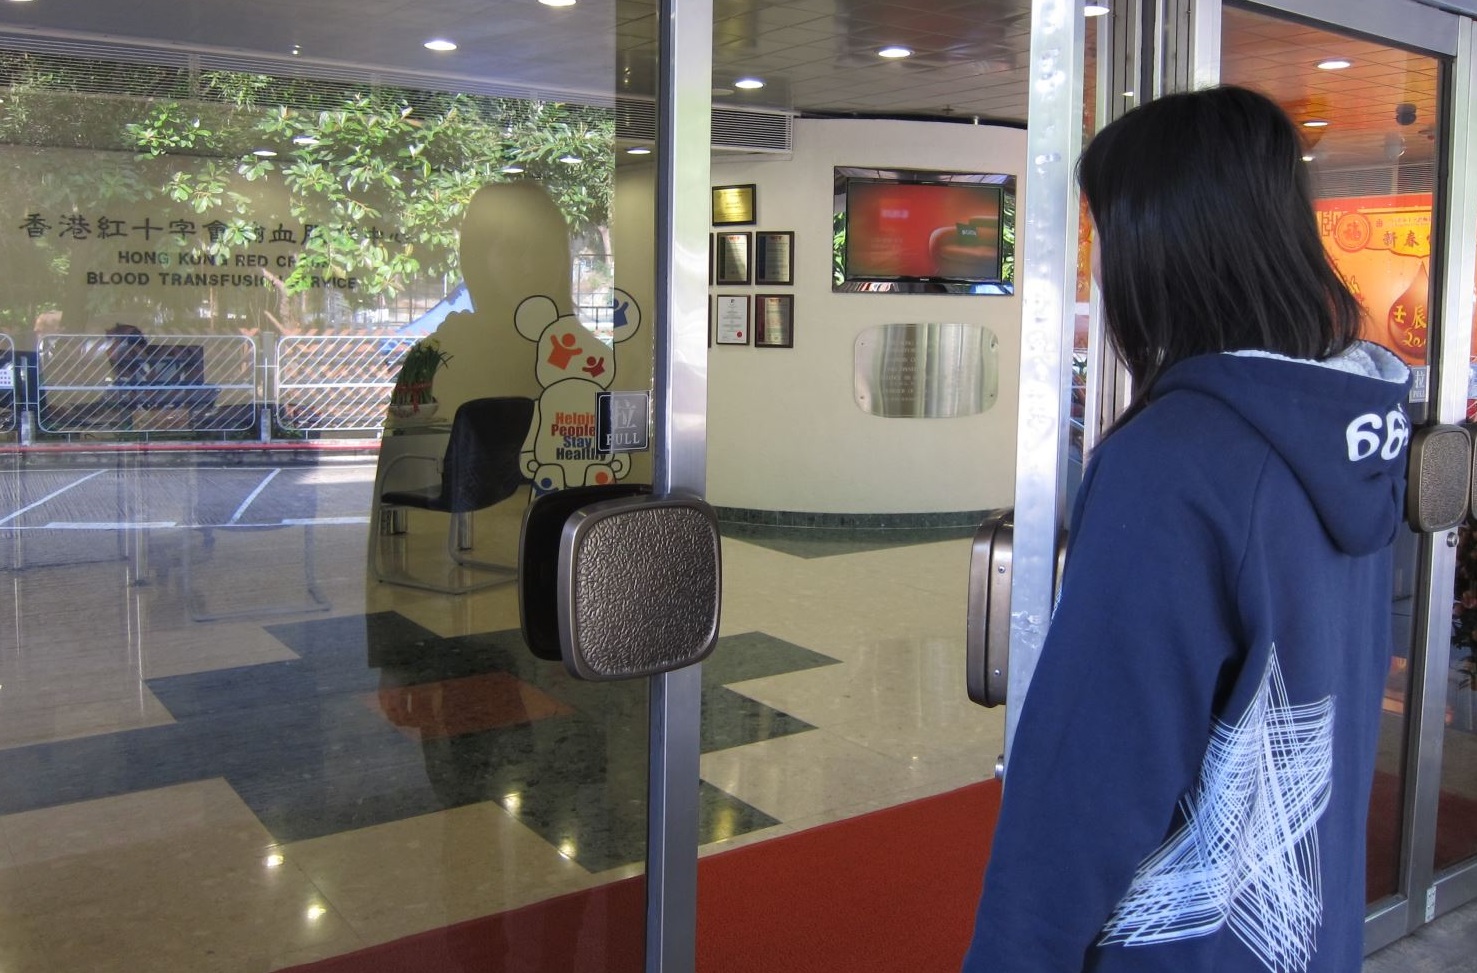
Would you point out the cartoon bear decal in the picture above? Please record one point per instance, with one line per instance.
(573, 367)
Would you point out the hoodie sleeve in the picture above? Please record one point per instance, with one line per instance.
(1117, 721)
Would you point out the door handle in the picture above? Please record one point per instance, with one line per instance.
(987, 637)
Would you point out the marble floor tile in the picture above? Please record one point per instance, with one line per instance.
(447, 867)
(45, 718)
(86, 827)
(806, 774)
(185, 876)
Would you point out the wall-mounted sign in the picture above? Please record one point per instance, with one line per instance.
(926, 371)
(774, 258)
(774, 321)
(731, 321)
(733, 205)
(731, 258)
(621, 420)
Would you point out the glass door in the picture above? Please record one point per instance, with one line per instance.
(1374, 162)
(1382, 127)
(302, 308)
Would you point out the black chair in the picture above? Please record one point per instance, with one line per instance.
(480, 467)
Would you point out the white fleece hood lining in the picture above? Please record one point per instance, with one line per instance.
(1362, 358)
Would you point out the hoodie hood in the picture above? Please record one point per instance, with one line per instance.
(1339, 424)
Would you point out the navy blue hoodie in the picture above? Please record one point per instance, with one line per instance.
(1190, 774)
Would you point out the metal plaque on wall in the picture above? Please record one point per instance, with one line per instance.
(926, 371)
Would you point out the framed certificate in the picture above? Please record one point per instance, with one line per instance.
(731, 264)
(774, 321)
(774, 257)
(733, 205)
(732, 319)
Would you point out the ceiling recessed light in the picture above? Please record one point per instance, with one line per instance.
(1308, 158)
(512, 170)
(895, 51)
(1334, 64)
(440, 44)
(638, 150)
(1316, 123)
(748, 84)
(1094, 10)
(572, 160)
(557, 3)
(264, 153)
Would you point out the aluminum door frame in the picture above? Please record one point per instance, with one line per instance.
(679, 454)
(1050, 210)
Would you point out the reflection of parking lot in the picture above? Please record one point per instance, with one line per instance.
(71, 515)
(113, 499)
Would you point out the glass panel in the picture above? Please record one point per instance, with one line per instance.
(1370, 118)
(1456, 809)
(298, 312)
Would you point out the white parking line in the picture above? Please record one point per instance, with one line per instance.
(105, 525)
(318, 521)
(253, 495)
(51, 496)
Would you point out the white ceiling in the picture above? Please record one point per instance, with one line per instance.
(815, 55)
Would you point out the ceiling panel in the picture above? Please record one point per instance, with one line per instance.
(816, 55)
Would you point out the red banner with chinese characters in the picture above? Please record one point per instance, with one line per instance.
(1381, 246)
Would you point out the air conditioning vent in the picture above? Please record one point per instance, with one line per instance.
(753, 131)
(1375, 181)
(734, 130)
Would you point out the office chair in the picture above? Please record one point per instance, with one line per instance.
(480, 467)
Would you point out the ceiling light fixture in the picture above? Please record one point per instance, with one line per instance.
(572, 160)
(305, 140)
(748, 84)
(895, 51)
(1308, 158)
(1316, 123)
(512, 170)
(1334, 64)
(264, 153)
(557, 3)
(638, 150)
(440, 44)
(1094, 10)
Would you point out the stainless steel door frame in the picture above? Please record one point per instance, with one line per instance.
(1428, 897)
(684, 121)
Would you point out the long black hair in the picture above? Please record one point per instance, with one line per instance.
(1207, 237)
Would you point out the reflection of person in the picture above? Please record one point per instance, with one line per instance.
(128, 356)
(127, 352)
(1190, 774)
(514, 244)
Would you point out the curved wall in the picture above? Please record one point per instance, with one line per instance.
(784, 432)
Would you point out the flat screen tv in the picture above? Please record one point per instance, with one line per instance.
(917, 231)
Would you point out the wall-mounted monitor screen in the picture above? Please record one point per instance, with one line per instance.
(916, 231)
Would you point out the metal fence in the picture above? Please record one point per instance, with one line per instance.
(338, 383)
(9, 378)
(128, 383)
(213, 385)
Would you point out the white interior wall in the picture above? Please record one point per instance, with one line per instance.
(784, 431)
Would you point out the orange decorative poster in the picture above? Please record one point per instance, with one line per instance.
(1381, 245)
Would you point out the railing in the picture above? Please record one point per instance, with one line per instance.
(9, 379)
(338, 383)
(126, 383)
(218, 386)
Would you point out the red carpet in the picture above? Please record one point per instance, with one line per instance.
(887, 891)
(1456, 833)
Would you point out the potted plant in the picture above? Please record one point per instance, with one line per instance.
(411, 396)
